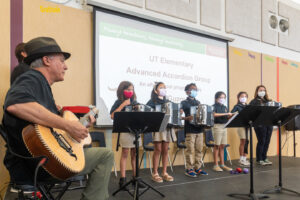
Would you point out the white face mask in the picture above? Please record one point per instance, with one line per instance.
(162, 92)
(261, 94)
(222, 101)
(243, 99)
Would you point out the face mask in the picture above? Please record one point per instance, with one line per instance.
(162, 92)
(261, 94)
(243, 99)
(222, 101)
(127, 94)
(193, 93)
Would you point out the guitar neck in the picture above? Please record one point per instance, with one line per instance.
(85, 120)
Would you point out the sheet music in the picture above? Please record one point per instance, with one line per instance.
(232, 118)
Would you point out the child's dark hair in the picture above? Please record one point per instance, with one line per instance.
(18, 50)
(240, 94)
(188, 86)
(123, 86)
(218, 94)
(154, 95)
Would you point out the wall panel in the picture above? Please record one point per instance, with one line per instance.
(186, 10)
(210, 13)
(244, 18)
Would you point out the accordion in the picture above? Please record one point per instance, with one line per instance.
(202, 115)
(138, 108)
(274, 103)
(172, 109)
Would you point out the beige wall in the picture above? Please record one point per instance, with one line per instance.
(269, 79)
(72, 28)
(4, 79)
(289, 95)
(250, 70)
(244, 75)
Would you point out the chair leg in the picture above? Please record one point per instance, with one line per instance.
(175, 156)
(62, 192)
(115, 169)
(150, 166)
(142, 158)
(228, 156)
(202, 162)
(21, 195)
(170, 163)
(46, 195)
(184, 160)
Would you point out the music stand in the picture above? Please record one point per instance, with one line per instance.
(280, 118)
(246, 118)
(138, 123)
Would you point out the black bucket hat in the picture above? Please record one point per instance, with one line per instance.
(42, 46)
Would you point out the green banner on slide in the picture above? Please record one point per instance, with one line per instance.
(116, 31)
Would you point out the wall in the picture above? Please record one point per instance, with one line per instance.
(247, 69)
(289, 73)
(241, 65)
(4, 79)
(72, 29)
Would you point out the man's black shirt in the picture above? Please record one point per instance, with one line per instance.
(31, 86)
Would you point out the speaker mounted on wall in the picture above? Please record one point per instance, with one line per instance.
(278, 23)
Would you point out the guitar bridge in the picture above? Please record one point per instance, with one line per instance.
(63, 143)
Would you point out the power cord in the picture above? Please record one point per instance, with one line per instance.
(42, 162)
(286, 139)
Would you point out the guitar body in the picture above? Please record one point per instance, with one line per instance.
(65, 155)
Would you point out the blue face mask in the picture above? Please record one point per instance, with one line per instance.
(193, 93)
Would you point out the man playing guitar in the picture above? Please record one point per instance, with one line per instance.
(30, 101)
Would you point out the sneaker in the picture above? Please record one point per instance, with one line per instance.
(224, 167)
(261, 162)
(244, 163)
(247, 162)
(217, 168)
(190, 173)
(267, 162)
(30, 191)
(200, 171)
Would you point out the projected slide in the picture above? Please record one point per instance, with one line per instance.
(143, 53)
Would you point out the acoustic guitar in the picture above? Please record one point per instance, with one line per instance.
(65, 155)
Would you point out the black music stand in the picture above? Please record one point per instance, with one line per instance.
(280, 118)
(137, 123)
(246, 118)
(293, 126)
